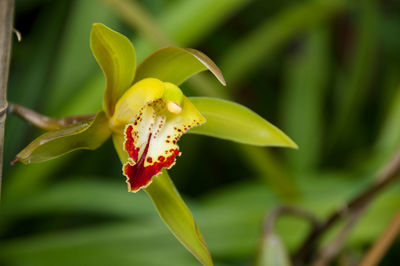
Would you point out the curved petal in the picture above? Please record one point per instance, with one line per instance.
(232, 121)
(151, 141)
(89, 134)
(116, 57)
(175, 65)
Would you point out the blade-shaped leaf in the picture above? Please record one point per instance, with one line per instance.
(116, 57)
(89, 134)
(232, 121)
(177, 216)
(175, 65)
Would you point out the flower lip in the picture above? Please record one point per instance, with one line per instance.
(151, 140)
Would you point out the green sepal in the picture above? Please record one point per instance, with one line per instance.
(232, 121)
(175, 65)
(88, 134)
(177, 216)
(117, 58)
(172, 209)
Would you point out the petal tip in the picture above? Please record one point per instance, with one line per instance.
(289, 143)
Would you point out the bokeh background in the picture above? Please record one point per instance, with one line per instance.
(327, 72)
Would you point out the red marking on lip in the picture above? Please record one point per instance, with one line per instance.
(129, 144)
(139, 175)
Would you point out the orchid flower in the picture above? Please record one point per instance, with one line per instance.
(146, 113)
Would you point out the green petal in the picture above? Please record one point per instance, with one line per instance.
(177, 216)
(232, 121)
(116, 57)
(89, 134)
(175, 65)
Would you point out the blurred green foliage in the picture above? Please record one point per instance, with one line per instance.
(326, 72)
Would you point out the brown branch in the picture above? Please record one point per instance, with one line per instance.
(44, 122)
(288, 210)
(6, 21)
(378, 250)
(332, 249)
(387, 177)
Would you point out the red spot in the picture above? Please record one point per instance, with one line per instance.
(167, 141)
(135, 123)
(161, 158)
(174, 141)
(168, 137)
(149, 160)
(179, 130)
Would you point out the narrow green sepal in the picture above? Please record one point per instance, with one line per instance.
(88, 134)
(177, 216)
(172, 209)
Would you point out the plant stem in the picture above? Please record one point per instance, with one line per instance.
(375, 254)
(270, 220)
(385, 178)
(332, 249)
(44, 122)
(6, 22)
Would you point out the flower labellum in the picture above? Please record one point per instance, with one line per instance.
(151, 136)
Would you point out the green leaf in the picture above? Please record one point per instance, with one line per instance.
(272, 252)
(177, 216)
(232, 121)
(116, 57)
(175, 65)
(89, 134)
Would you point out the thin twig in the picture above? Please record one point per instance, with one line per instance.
(44, 122)
(378, 250)
(6, 21)
(385, 178)
(332, 249)
(288, 210)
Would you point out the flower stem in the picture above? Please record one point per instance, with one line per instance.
(6, 19)
(44, 122)
(381, 246)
